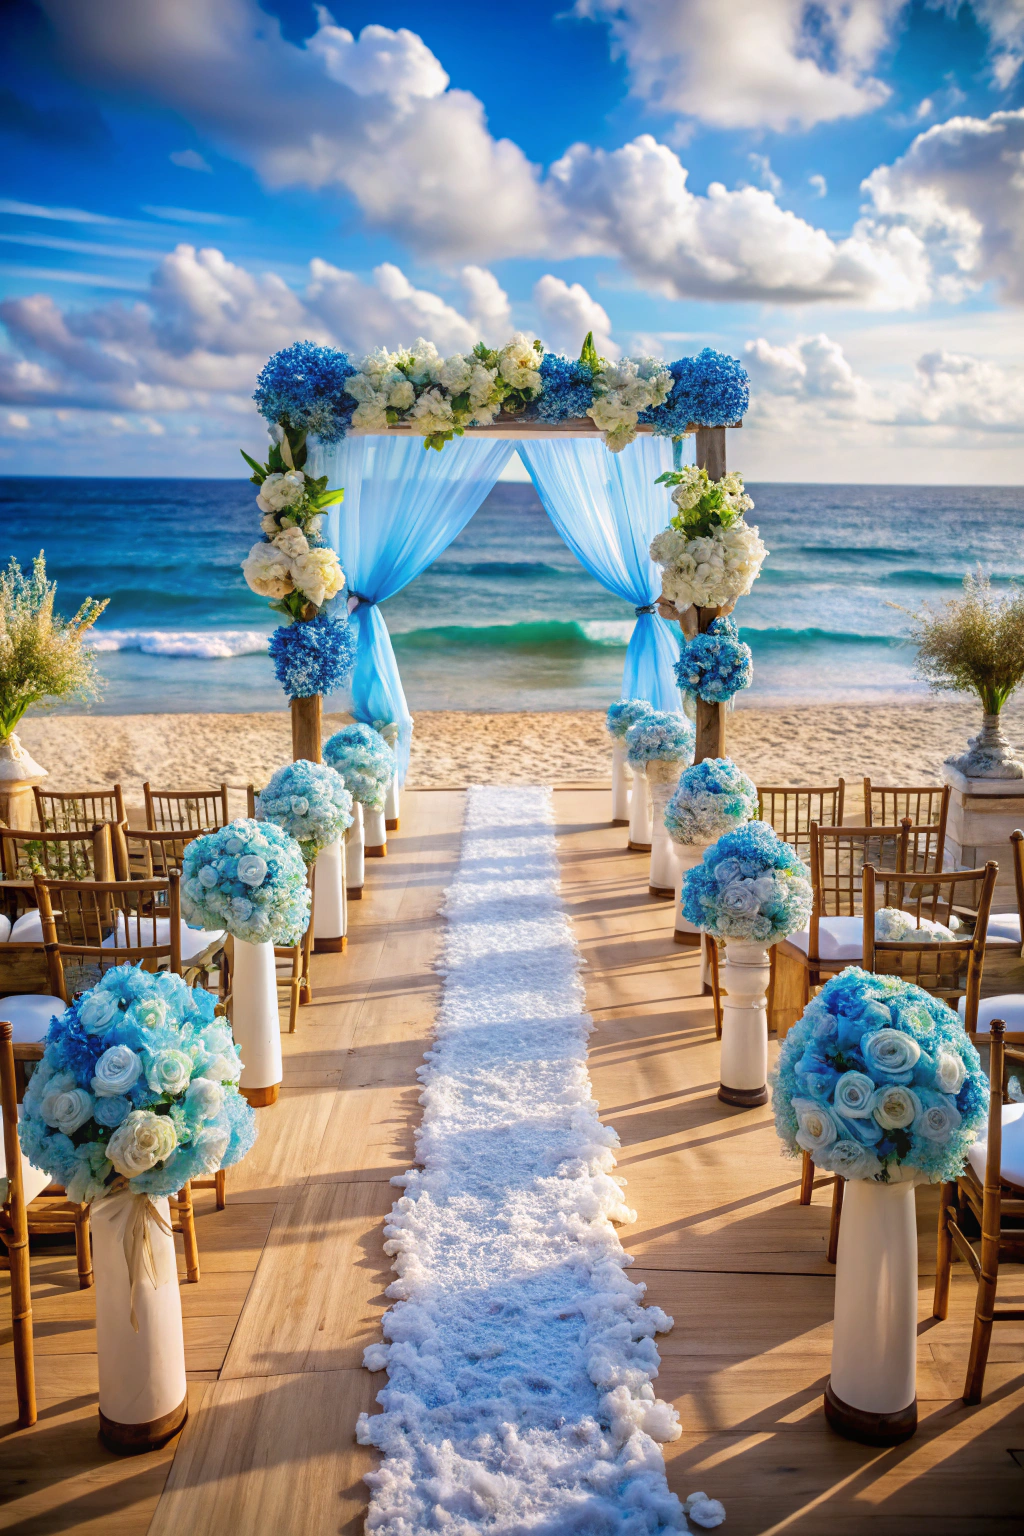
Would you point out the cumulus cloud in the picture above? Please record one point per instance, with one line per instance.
(190, 160)
(567, 313)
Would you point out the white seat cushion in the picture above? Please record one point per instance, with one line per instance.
(839, 938)
(33, 1179)
(30, 1013)
(28, 929)
(1012, 1160)
(193, 941)
(1004, 925)
(1009, 1007)
(5, 927)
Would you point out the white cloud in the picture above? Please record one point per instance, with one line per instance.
(567, 313)
(765, 175)
(486, 304)
(1004, 20)
(190, 160)
(818, 183)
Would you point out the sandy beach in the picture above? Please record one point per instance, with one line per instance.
(903, 743)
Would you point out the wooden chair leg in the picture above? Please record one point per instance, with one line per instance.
(770, 999)
(838, 1189)
(716, 986)
(943, 1253)
(83, 1247)
(220, 1180)
(188, 1234)
(21, 1323)
(981, 1338)
(806, 1179)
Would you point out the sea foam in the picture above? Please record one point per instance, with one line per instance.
(209, 644)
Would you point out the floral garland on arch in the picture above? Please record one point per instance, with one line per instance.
(708, 554)
(309, 388)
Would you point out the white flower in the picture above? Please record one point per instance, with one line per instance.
(853, 1095)
(890, 1053)
(318, 575)
(168, 1071)
(481, 387)
(372, 416)
(938, 1122)
(204, 1099)
(208, 876)
(740, 898)
(895, 1106)
(241, 909)
(211, 1144)
(141, 1141)
(279, 491)
(949, 1073)
(116, 1071)
(292, 543)
(892, 925)
(424, 362)
(267, 571)
(65, 1105)
(710, 571)
(816, 1128)
(96, 1011)
(455, 373)
(518, 362)
(252, 869)
(269, 523)
(224, 1068)
(852, 1161)
(400, 392)
(431, 413)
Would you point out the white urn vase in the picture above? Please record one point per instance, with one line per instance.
(354, 867)
(743, 1070)
(330, 905)
(375, 833)
(688, 856)
(19, 772)
(255, 1021)
(640, 813)
(621, 780)
(391, 806)
(141, 1364)
(871, 1394)
(662, 778)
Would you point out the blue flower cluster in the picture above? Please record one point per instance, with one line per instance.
(304, 385)
(624, 714)
(716, 664)
(660, 735)
(313, 655)
(750, 885)
(138, 1081)
(309, 801)
(878, 1080)
(714, 797)
(711, 390)
(364, 760)
(568, 388)
(250, 878)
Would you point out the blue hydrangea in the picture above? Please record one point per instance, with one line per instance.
(250, 878)
(568, 388)
(714, 666)
(750, 885)
(309, 801)
(879, 1080)
(304, 385)
(660, 735)
(82, 1121)
(624, 714)
(711, 390)
(713, 797)
(364, 760)
(313, 655)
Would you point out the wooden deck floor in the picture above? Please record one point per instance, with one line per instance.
(294, 1273)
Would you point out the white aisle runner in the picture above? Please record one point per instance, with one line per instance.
(520, 1360)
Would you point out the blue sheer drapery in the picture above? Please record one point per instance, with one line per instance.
(403, 505)
(607, 508)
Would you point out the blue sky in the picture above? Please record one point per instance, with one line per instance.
(833, 192)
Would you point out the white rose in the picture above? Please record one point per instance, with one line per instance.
(852, 1161)
(455, 374)
(949, 1073)
(208, 876)
(252, 869)
(141, 1141)
(211, 1144)
(853, 1095)
(895, 1106)
(267, 571)
(371, 416)
(401, 393)
(292, 542)
(269, 523)
(96, 1011)
(226, 1068)
(938, 1122)
(816, 1128)
(116, 1071)
(890, 1053)
(204, 1099)
(168, 1071)
(518, 361)
(318, 575)
(279, 491)
(66, 1107)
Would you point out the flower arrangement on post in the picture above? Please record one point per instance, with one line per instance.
(136, 1095)
(975, 644)
(618, 720)
(367, 764)
(751, 890)
(657, 748)
(709, 555)
(880, 1082)
(41, 657)
(713, 797)
(716, 665)
(309, 801)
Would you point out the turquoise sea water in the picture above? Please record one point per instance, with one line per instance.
(506, 619)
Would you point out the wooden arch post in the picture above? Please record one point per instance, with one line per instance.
(710, 717)
(307, 728)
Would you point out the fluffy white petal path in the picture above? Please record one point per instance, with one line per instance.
(520, 1359)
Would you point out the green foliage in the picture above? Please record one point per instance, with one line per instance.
(973, 643)
(589, 354)
(704, 504)
(41, 654)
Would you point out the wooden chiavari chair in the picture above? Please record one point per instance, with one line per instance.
(141, 854)
(78, 810)
(186, 810)
(90, 927)
(292, 961)
(928, 809)
(790, 811)
(14, 1236)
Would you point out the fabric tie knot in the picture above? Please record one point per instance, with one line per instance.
(355, 598)
(646, 608)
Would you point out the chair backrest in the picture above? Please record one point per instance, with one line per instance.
(145, 855)
(23, 969)
(790, 811)
(950, 969)
(57, 855)
(1017, 853)
(90, 926)
(251, 793)
(78, 810)
(928, 809)
(837, 859)
(186, 810)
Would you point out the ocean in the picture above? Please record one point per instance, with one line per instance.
(506, 619)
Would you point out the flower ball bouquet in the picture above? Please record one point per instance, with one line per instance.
(713, 797)
(364, 761)
(716, 665)
(309, 801)
(880, 1084)
(708, 554)
(250, 878)
(658, 746)
(620, 717)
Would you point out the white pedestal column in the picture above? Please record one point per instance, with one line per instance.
(621, 780)
(662, 878)
(330, 910)
(143, 1397)
(688, 856)
(375, 836)
(872, 1392)
(744, 1059)
(255, 1022)
(640, 813)
(391, 807)
(354, 854)
(982, 814)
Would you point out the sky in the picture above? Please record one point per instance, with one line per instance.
(832, 192)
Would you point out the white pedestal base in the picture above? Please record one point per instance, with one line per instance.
(744, 1056)
(662, 878)
(330, 910)
(982, 814)
(375, 834)
(688, 856)
(255, 1022)
(640, 813)
(143, 1398)
(872, 1391)
(391, 806)
(354, 867)
(621, 779)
